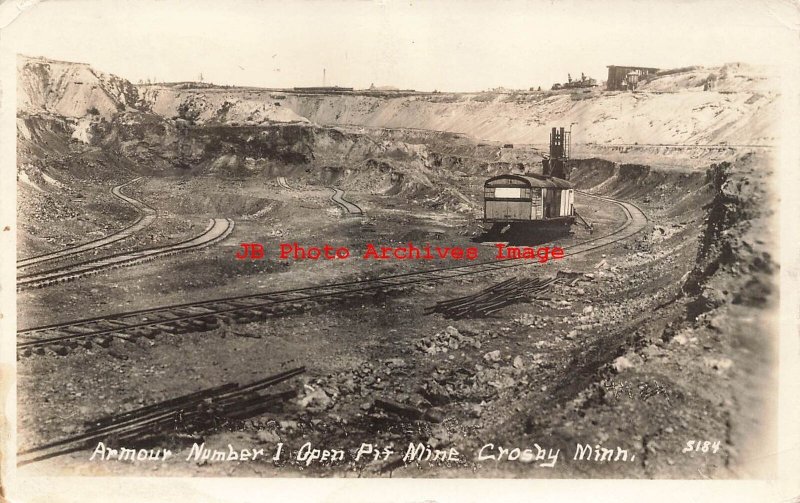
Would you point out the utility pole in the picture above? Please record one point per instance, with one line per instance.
(569, 152)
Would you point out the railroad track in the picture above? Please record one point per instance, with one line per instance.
(217, 230)
(146, 217)
(61, 338)
(350, 208)
(283, 183)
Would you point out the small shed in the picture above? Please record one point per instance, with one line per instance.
(618, 76)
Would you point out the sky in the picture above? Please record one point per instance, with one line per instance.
(434, 45)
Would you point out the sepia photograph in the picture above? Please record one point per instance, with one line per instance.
(267, 242)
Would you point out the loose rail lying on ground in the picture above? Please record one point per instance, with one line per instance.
(492, 299)
(193, 413)
(60, 338)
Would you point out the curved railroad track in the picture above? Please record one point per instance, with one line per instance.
(146, 217)
(347, 206)
(60, 338)
(283, 183)
(217, 230)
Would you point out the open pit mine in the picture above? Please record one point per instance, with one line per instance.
(161, 326)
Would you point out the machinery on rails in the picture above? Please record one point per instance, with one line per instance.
(542, 202)
(62, 338)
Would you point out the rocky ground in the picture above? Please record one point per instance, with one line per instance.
(640, 348)
(645, 345)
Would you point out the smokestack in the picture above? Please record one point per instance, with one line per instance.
(323, 77)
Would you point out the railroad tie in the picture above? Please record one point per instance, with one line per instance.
(59, 350)
(198, 324)
(103, 341)
(226, 319)
(165, 328)
(148, 332)
(181, 326)
(124, 337)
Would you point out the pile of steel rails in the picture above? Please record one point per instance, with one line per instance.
(492, 299)
(189, 414)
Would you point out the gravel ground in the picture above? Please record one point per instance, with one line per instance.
(611, 360)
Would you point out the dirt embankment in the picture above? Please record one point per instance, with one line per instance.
(72, 89)
(677, 118)
(733, 105)
(736, 241)
(732, 300)
(677, 115)
(696, 363)
(687, 116)
(168, 128)
(672, 193)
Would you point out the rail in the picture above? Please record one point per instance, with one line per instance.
(61, 338)
(347, 206)
(146, 217)
(217, 230)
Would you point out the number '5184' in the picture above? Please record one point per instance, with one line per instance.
(701, 446)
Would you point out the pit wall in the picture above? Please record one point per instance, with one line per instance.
(711, 340)
(647, 118)
(625, 118)
(731, 202)
(736, 258)
(668, 193)
(697, 157)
